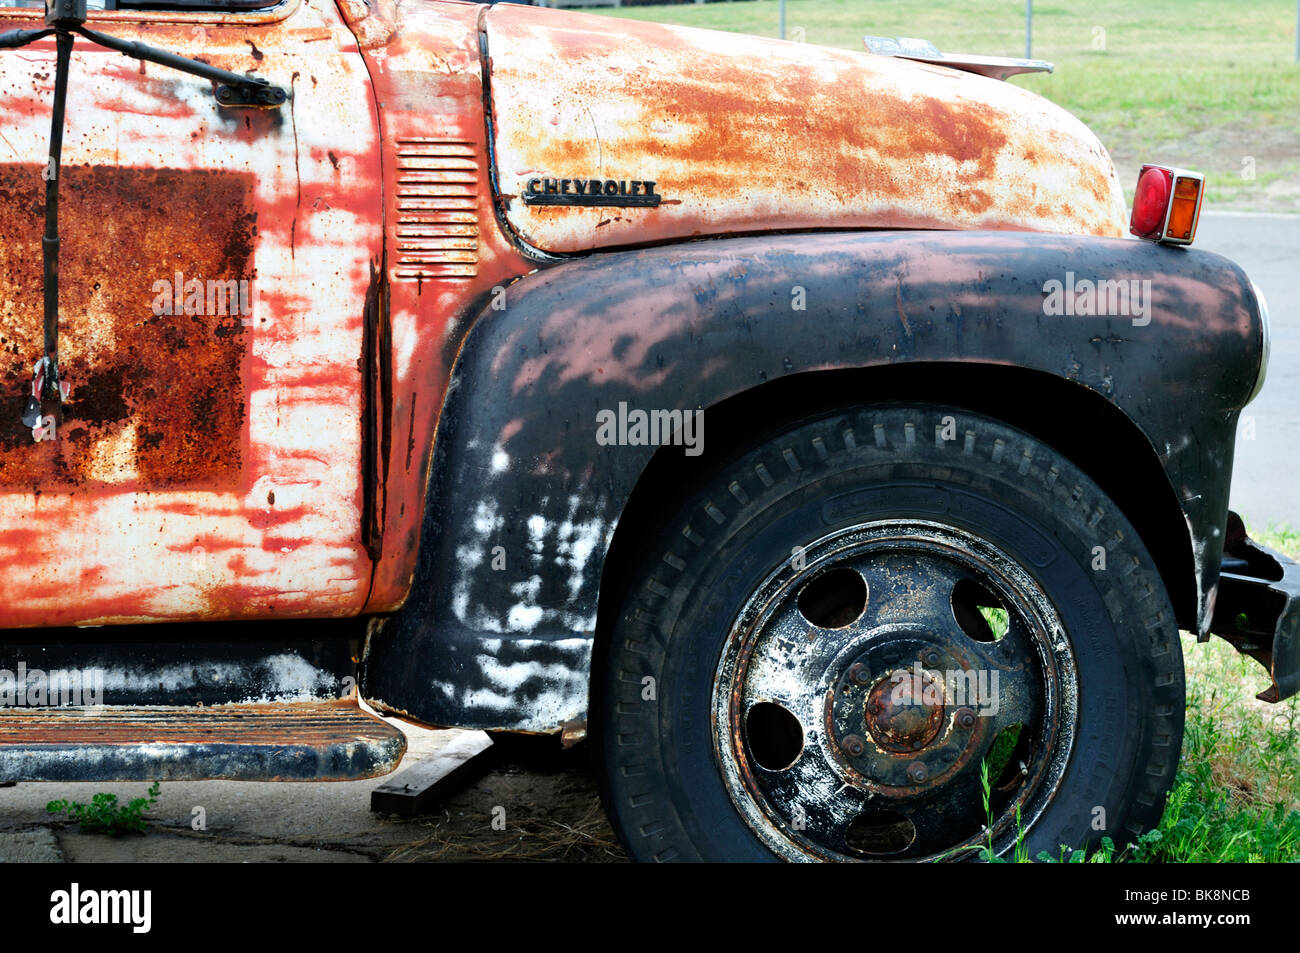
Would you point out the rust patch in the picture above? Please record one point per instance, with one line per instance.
(156, 401)
(843, 140)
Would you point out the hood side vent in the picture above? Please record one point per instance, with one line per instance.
(435, 232)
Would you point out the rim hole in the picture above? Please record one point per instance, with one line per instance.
(1004, 765)
(775, 736)
(981, 615)
(834, 599)
(1008, 750)
(880, 832)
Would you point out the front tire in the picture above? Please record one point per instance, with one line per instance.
(845, 624)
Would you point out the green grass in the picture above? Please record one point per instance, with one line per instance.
(1236, 795)
(1284, 539)
(1199, 83)
(997, 620)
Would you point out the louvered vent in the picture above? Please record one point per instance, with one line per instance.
(437, 201)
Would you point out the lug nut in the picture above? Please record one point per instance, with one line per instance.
(917, 772)
(965, 718)
(852, 745)
(859, 674)
(930, 657)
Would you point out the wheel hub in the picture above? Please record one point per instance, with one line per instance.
(893, 718)
(905, 711)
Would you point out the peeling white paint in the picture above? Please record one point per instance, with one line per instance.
(524, 618)
(564, 697)
(567, 549)
(288, 678)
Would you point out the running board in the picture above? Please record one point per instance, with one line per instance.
(297, 741)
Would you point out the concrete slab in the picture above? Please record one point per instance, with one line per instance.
(34, 846)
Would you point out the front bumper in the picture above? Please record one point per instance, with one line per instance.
(1258, 608)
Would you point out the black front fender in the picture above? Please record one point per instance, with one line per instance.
(524, 499)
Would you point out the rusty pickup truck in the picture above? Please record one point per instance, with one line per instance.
(801, 427)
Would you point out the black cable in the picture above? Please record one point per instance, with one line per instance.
(50, 241)
(16, 38)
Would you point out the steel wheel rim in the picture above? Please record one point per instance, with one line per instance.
(897, 681)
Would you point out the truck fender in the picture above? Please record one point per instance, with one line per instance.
(526, 491)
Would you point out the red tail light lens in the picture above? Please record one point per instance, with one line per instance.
(1150, 203)
(1167, 205)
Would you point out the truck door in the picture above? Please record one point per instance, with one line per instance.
(216, 267)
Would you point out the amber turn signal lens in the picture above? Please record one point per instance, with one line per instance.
(1182, 213)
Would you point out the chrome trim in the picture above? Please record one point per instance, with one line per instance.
(1174, 175)
(1265, 344)
(923, 51)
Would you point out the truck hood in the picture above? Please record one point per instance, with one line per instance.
(610, 132)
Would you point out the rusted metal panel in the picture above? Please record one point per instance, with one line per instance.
(740, 133)
(306, 741)
(446, 252)
(188, 20)
(153, 405)
(688, 326)
(210, 463)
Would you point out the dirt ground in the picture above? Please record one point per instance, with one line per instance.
(553, 811)
(543, 801)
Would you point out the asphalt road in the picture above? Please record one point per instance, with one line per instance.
(1266, 471)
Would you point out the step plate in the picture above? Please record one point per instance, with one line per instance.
(299, 741)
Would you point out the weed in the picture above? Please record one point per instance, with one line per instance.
(103, 815)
